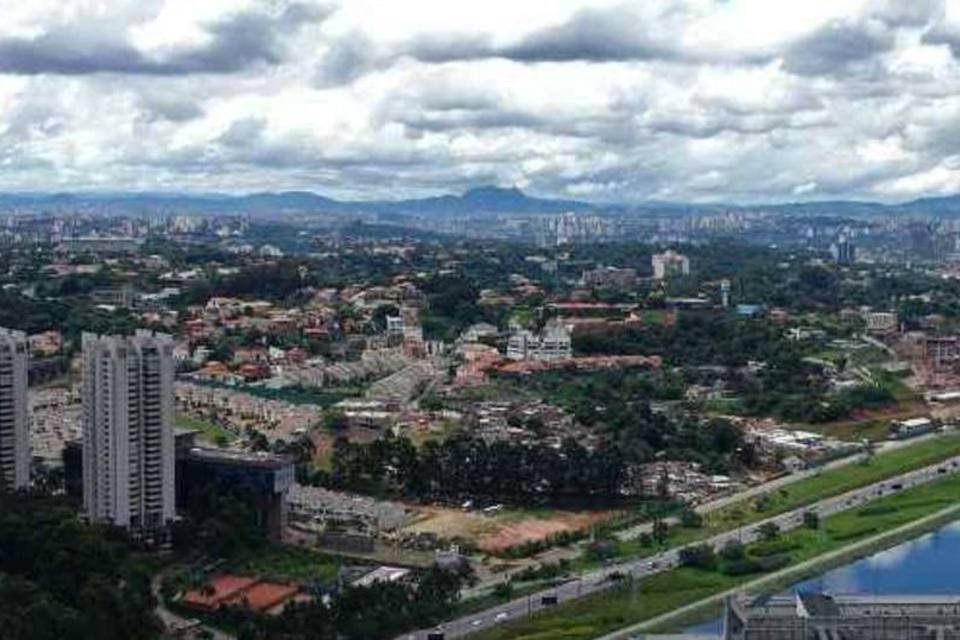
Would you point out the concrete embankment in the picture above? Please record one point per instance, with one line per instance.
(795, 573)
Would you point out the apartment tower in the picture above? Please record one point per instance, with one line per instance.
(128, 445)
(14, 432)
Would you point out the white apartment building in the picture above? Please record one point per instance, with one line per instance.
(881, 322)
(670, 264)
(14, 430)
(128, 446)
(553, 343)
(520, 343)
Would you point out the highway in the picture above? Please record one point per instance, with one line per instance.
(638, 568)
(778, 483)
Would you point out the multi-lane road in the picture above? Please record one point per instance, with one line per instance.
(779, 483)
(606, 577)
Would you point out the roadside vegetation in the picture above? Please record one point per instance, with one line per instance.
(709, 572)
(829, 483)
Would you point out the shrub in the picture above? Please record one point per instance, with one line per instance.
(690, 519)
(733, 550)
(700, 556)
(747, 565)
(768, 531)
(772, 547)
(601, 550)
(852, 533)
(503, 591)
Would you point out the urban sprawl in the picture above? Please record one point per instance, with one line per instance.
(299, 423)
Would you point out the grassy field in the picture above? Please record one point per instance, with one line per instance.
(210, 432)
(875, 430)
(634, 602)
(287, 563)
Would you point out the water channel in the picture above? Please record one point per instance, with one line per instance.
(929, 564)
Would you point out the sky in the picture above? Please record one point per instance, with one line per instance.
(608, 101)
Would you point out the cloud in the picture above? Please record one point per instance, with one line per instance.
(915, 13)
(243, 133)
(592, 35)
(944, 33)
(347, 59)
(162, 108)
(661, 99)
(614, 34)
(235, 42)
(836, 47)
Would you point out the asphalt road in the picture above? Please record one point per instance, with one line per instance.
(608, 576)
(777, 483)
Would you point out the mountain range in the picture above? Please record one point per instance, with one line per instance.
(484, 200)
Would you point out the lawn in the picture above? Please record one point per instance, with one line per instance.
(601, 613)
(285, 562)
(875, 430)
(636, 601)
(208, 431)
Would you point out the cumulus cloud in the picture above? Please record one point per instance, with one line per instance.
(664, 99)
(235, 42)
(609, 34)
(836, 47)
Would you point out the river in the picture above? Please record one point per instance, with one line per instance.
(925, 565)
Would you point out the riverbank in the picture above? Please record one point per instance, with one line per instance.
(686, 591)
(779, 580)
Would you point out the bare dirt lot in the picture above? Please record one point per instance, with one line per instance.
(508, 528)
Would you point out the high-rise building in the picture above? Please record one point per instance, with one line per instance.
(128, 444)
(14, 432)
(725, 293)
(843, 251)
(669, 265)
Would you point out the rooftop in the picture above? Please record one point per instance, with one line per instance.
(229, 456)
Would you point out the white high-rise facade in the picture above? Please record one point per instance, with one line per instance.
(14, 431)
(128, 446)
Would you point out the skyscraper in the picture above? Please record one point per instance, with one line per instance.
(14, 434)
(843, 251)
(128, 446)
(669, 265)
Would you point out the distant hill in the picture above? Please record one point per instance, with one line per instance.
(945, 206)
(479, 201)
